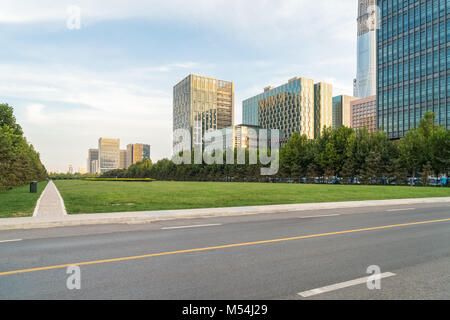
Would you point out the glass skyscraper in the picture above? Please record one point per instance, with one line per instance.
(365, 82)
(201, 104)
(413, 59)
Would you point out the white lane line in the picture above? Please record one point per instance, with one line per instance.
(12, 240)
(324, 215)
(193, 226)
(405, 209)
(342, 285)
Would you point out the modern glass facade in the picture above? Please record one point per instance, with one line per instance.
(365, 82)
(342, 111)
(205, 101)
(323, 107)
(92, 167)
(288, 108)
(136, 153)
(413, 60)
(297, 106)
(109, 154)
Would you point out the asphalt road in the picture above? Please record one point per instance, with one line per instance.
(268, 256)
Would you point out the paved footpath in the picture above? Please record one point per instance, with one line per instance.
(50, 204)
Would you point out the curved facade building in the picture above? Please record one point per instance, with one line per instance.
(365, 82)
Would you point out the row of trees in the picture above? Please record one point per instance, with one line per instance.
(344, 155)
(19, 162)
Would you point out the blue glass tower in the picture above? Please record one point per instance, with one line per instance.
(413, 60)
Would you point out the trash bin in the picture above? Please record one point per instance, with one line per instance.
(33, 186)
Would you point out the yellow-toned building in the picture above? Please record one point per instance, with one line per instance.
(323, 107)
(137, 152)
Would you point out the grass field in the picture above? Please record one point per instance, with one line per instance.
(96, 197)
(19, 202)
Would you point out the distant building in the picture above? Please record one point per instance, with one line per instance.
(109, 154)
(364, 113)
(95, 166)
(92, 156)
(342, 111)
(136, 153)
(82, 170)
(123, 159)
(201, 103)
(70, 169)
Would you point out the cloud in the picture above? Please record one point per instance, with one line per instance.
(72, 108)
(257, 20)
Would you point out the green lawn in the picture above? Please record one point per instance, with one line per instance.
(19, 202)
(95, 197)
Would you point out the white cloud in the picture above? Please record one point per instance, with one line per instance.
(72, 108)
(257, 20)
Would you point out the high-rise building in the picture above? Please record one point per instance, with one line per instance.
(70, 169)
(342, 111)
(92, 156)
(289, 108)
(323, 107)
(123, 159)
(364, 113)
(365, 83)
(200, 104)
(137, 152)
(109, 154)
(413, 63)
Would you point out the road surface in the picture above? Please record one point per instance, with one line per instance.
(320, 254)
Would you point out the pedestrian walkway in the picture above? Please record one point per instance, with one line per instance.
(50, 204)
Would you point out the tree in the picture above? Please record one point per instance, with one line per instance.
(411, 153)
(19, 162)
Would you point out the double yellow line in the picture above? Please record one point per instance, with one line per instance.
(218, 247)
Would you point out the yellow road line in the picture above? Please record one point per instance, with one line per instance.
(218, 247)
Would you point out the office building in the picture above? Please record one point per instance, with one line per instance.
(123, 159)
(70, 171)
(342, 111)
(413, 62)
(288, 108)
(200, 104)
(365, 83)
(109, 154)
(95, 166)
(92, 156)
(364, 113)
(137, 153)
(323, 107)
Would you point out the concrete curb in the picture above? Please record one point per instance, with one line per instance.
(152, 216)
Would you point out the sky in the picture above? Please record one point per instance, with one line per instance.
(111, 72)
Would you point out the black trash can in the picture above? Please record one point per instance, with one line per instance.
(33, 186)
